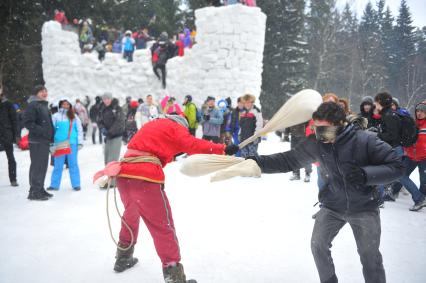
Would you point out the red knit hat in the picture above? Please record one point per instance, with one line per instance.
(134, 104)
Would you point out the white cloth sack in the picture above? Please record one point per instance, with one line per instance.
(297, 110)
(203, 164)
(247, 168)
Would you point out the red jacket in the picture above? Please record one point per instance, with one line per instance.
(164, 139)
(417, 152)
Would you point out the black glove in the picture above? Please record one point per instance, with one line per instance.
(206, 117)
(286, 139)
(356, 175)
(231, 149)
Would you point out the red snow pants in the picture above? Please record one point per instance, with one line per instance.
(146, 200)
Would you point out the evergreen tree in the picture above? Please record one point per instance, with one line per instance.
(321, 33)
(388, 43)
(373, 71)
(404, 52)
(285, 53)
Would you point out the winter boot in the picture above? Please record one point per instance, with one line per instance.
(175, 274)
(124, 259)
(37, 196)
(14, 184)
(307, 178)
(418, 205)
(295, 177)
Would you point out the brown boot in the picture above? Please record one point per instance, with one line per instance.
(124, 259)
(175, 274)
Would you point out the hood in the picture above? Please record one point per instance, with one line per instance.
(361, 107)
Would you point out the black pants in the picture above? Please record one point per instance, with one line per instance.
(94, 130)
(211, 138)
(128, 55)
(293, 143)
(8, 148)
(366, 229)
(39, 154)
(163, 74)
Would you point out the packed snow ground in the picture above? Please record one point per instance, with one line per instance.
(240, 230)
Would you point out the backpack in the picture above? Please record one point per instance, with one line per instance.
(198, 115)
(160, 56)
(128, 45)
(409, 130)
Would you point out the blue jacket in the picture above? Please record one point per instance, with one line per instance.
(212, 126)
(61, 125)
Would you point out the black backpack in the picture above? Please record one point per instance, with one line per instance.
(409, 130)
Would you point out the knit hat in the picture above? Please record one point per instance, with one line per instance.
(189, 98)
(38, 88)
(134, 104)
(178, 119)
(210, 98)
(421, 106)
(395, 101)
(367, 99)
(107, 95)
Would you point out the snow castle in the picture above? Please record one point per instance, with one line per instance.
(226, 61)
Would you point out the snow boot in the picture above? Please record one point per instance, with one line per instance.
(14, 184)
(175, 274)
(307, 178)
(37, 196)
(295, 177)
(124, 259)
(418, 205)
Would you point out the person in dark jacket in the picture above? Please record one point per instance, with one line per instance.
(93, 114)
(38, 121)
(9, 134)
(390, 128)
(111, 123)
(367, 110)
(353, 161)
(161, 52)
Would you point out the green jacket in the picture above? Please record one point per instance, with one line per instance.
(191, 115)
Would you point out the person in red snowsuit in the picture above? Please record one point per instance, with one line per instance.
(141, 187)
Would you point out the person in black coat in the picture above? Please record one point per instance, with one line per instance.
(9, 134)
(354, 161)
(390, 127)
(94, 114)
(38, 121)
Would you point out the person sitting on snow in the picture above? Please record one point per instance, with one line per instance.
(141, 180)
(354, 162)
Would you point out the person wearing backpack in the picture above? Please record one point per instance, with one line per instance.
(161, 52)
(415, 156)
(191, 112)
(128, 44)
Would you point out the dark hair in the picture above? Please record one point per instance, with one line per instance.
(70, 111)
(38, 88)
(330, 112)
(384, 99)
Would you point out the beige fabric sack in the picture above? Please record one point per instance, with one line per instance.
(203, 164)
(247, 168)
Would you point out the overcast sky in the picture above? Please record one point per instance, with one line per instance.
(417, 8)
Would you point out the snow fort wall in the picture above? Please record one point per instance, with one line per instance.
(226, 61)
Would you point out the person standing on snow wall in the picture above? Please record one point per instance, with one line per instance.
(161, 52)
(354, 161)
(67, 125)
(140, 182)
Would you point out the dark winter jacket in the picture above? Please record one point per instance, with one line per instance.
(111, 118)
(352, 147)
(38, 121)
(235, 120)
(390, 128)
(94, 112)
(8, 122)
(250, 122)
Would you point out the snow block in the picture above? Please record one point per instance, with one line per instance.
(229, 50)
